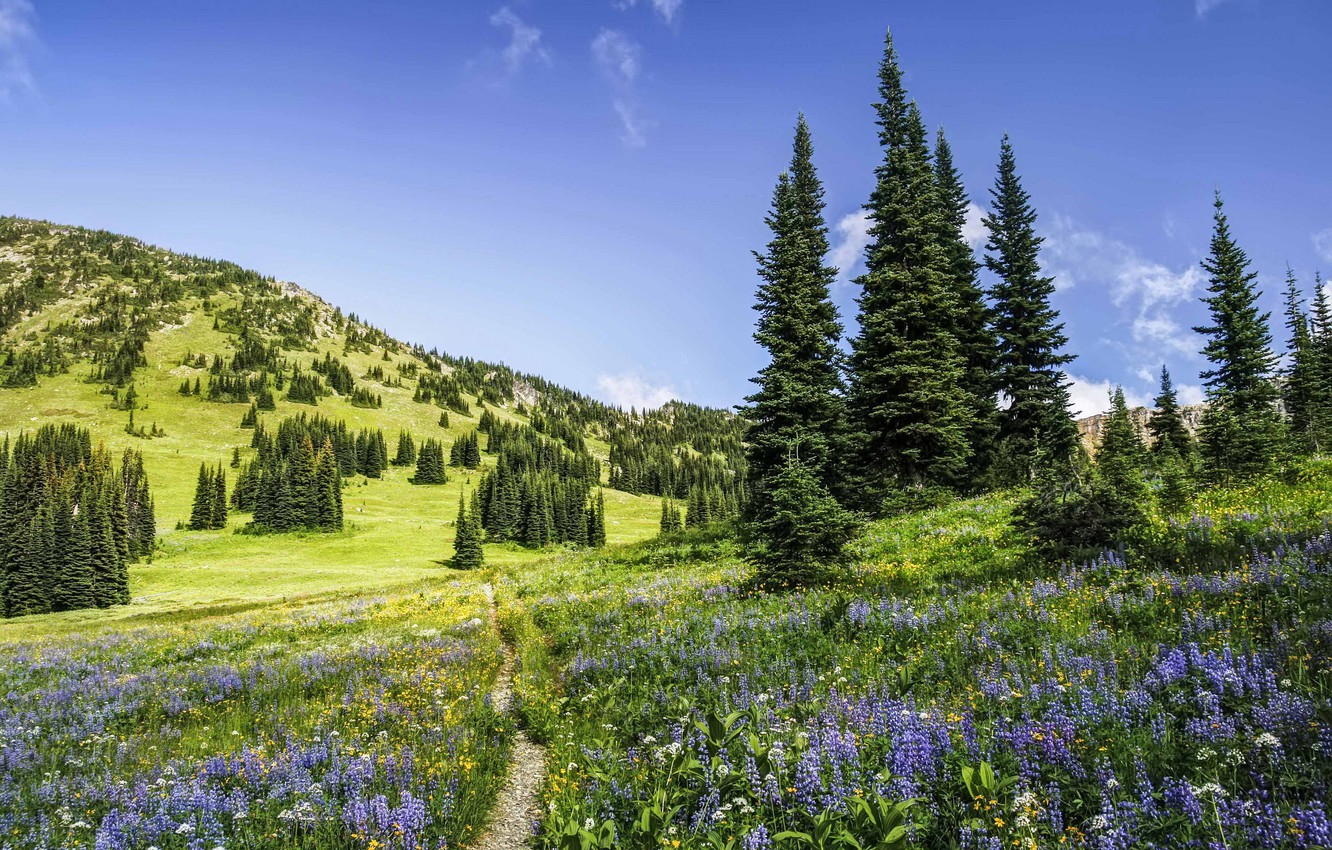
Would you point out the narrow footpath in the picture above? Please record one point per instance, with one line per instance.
(518, 806)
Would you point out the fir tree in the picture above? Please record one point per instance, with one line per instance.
(468, 553)
(1241, 429)
(201, 515)
(1300, 390)
(908, 403)
(406, 455)
(1166, 423)
(971, 319)
(800, 392)
(671, 520)
(1119, 463)
(805, 533)
(219, 506)
(1028, 331)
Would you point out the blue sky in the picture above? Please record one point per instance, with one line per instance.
(574, 188)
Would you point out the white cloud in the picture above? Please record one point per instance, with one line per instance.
(1190, 393)
(1089, 397)
(667, 9)
(620, 59)
(633, 390)
(1322, 241)
(973, 229)
(849, 252)
(18, 34)
(1147, 291)
(524, 41)
(618, 55)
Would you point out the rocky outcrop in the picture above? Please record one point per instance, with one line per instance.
(1090, 427)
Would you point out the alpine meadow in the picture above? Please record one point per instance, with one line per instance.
(273, 576)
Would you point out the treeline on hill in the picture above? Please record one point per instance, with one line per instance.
(912, 415)
(70, 522)
(539, 491)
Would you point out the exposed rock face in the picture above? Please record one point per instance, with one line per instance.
(1090, 427)
(525, 393)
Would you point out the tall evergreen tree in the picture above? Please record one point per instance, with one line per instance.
(908, 403)
(1241, 429)
(804, 535)
(1300, 390)
(1029, 334)
(219, 519)
(971, 318)
(468, 553)
(1166, 423)
(201, 515)
(800, 393)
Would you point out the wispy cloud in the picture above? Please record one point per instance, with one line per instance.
(667, 9)
(852, 237)
(620, 59)
(18, 35)
(631, 389)
(1202, 7)
(524, 45)
(1147, 292)
(1322, 241)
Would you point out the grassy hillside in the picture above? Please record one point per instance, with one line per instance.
(396, 533)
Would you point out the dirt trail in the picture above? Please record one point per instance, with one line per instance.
(518, 806)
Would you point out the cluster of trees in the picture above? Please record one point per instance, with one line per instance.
(1307, 390)
(210, 499)
(430, 463)
(678, 450)
(70, 522)
(539, 491)
(304, 388)
(295, 481)
(443, 390)
(913, 412)
(336, 374)
(406, 455)
(466, 450)
(362, 397)
(364, 452)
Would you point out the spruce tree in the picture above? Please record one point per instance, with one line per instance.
(1166, 423)
(805, 533)
(1119, 462)
(1241, 430)
(971, 319)
(468, 553)
(1300, 389)
(800, 391)
(1029, 334)
(219, 513)
(909, 406)
(201, 515)
(406, 455)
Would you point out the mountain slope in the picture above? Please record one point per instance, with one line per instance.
(91, 319)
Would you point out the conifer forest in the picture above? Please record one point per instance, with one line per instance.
(272, 577)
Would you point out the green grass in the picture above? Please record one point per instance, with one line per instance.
(396, 535)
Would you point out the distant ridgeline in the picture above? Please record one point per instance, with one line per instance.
(70, 522)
